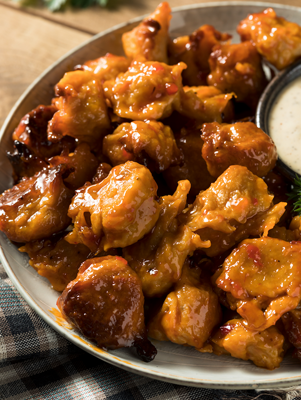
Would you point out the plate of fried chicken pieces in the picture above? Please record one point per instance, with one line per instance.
(142, 215)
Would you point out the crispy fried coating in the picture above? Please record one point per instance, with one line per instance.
(148, 142)
(158, 258)
(106, 67)
(237, 68)
(189, 313)
(56, 259)
(241, 143)
(32, 132)
(116, 212)
(82, 162)
(36, 207)
(24, 162)
(265, 349)
(82, 111)
(194, 50)
(147, 90)
(193, 166)
(105, 302)
(277, 39)
(235, 206)
(263, 280)
(205, 104)
(148, 41)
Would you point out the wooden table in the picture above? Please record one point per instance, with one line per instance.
(33, 38)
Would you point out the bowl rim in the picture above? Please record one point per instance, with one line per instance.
(266, 103)
(108, 357)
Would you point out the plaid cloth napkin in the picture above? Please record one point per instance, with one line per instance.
(37, 363)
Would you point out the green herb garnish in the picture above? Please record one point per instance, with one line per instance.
(295, 195)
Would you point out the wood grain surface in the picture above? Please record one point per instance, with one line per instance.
(33, 38)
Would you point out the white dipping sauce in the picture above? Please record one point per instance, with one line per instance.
(285, 125)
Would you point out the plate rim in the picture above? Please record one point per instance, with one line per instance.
(84, 344)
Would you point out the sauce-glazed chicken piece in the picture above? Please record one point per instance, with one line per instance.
(205, 104)
(105, 302)
(148, 142)
(237, 68)
(56, 259)
(265, 349)
(106, 67)
(32, 132)
(189, 313)
(148, 41)
(263, 280)
(192, 167)
(241, 143)
(194, 50)
(147, 90)
(277, 39)
(82, 111)
(116, 212)
(31, 146)
(158, 258)
(36, 207)
(235, 206)
(24, 162)
(82, 162)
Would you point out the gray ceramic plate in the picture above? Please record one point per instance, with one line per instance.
(177, 364)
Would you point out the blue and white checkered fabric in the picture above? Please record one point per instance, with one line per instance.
(37, 363)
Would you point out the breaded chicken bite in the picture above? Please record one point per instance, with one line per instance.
(241, 143)
(189, 313)
(263, 280)
(36, 207)
(275, 38)
(82, 110)
(147, 90)
(265, 349)
(148, 142)
(148, 41)
(234, 207)
(194, 50)
(105, 302)
(237, 68)
(116, 212)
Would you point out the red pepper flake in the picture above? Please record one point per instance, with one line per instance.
(126, 154)
(171, 88)
(254, 253)
(255, 201)
(121, 259)
(157, 67)
(225, 330)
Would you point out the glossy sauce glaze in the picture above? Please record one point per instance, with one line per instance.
(285, 125)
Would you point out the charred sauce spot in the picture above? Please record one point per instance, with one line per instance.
(152, 26)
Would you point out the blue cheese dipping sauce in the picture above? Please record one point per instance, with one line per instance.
(285, 125)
